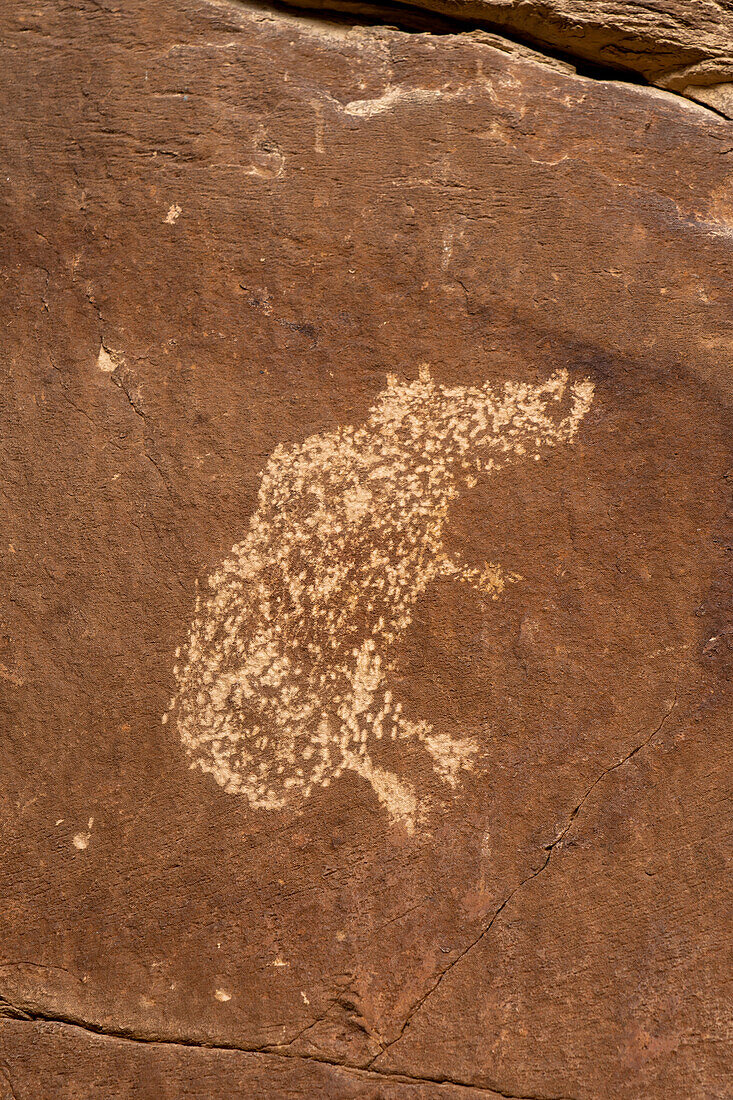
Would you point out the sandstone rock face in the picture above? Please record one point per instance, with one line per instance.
(365, 648)
(674, 44)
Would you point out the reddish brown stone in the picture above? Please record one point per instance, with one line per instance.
(223, 229)
(673, 44)
(58, 1062)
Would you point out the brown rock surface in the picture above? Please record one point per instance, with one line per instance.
(686, 47)
(227, 231)
(52, 1061)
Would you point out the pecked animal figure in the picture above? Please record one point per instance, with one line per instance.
(283, 682)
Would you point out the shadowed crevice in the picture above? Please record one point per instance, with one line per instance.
(391, 14)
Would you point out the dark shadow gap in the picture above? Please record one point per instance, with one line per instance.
(414, 20)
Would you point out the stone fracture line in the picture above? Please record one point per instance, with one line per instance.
(283, 682)
(550, 850)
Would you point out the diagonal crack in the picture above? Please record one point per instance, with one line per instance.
(134, 401)
(26, 1014)
(137, 407)
(333, 1001)
(549, 849)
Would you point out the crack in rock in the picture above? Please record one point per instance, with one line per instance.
(549, 849)
(129, 1036)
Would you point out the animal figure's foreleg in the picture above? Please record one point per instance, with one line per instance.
(397, 797)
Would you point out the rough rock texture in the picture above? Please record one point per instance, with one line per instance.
(686, 47)
(228, 237)
(57, 1062)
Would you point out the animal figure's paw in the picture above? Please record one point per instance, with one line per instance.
(491, 581)
(450, 755)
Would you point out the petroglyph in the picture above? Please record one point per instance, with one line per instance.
(284, 680)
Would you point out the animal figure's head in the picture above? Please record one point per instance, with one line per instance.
(459, 421)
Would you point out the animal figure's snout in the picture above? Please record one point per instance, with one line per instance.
(544, 415)
(567, 404)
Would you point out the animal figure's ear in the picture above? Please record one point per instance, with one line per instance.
(555, 385)
(562, 376)
(424, 372)
(392, 381)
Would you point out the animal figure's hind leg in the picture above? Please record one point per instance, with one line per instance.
(450, 755)
(397, 797)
